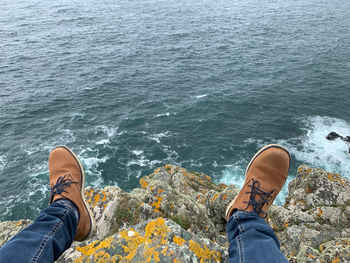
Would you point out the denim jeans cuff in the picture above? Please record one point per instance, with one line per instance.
(70, 206)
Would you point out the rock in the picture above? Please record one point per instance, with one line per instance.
(316, 211)
(9, 228)
(178, 216)
(156, 240)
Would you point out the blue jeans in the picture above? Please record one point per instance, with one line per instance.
(46, 238)
(252, 240)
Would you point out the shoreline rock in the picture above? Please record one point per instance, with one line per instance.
(178, 216)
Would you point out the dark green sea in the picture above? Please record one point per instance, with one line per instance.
(133, 85)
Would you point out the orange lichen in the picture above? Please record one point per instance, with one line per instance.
(168, 166)
(104, 196)
(155, 230)
(336, 260)
(208, 177)
(19, 223)
(310, 256)
(92, 249)
(153, 243)
(224, 197)
(285, 224)
(88, 193)
(100, 198)
(215, 197)
(335, 177)
(309, 170)
(160, 191)
(172, 206)
(179, 241)
(320, 212)
(321, 248)
(157, 203)
(203, 253)
(143, 183)
(96, 198)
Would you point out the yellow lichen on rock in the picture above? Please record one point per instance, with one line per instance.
(335, 177)
(215, 197)
(92, 249)
(157, 203)
(320, 212)
(143, 183)
(179, 241)
(203, 253)
(98, 198)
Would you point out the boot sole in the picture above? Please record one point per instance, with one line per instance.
(92, 219)
(248, 166)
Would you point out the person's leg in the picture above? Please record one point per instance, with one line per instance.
(250, 238)
(68, 217)
(46, 238)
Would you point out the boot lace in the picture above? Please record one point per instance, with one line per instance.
(258, 198)
(61, 184)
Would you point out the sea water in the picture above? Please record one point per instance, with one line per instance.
(134, 85)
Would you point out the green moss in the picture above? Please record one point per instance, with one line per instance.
(195, 187)
(184, 222)
(124, 213)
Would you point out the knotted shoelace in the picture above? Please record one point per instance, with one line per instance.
(61, 184)
(258, 198)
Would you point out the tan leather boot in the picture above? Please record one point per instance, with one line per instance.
(67, 181)
(265, 176)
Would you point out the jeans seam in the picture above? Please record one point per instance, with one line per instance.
(44, 242)
(240, 249)
(239, 223)
(239, 238)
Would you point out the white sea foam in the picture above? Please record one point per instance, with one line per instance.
(166, 114)
(158, 136)
(102, 142)
(201, 96)
(142, 161)
(109, 131)
(172, 155)
(196, 163)
(3, 161)
(311, 148)
(314, 149)
(91, 160)
(88, 88)
(137, 152)
(234, 174)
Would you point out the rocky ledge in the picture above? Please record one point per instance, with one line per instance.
(178, 216)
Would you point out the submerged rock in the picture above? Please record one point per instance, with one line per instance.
(178, 216)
